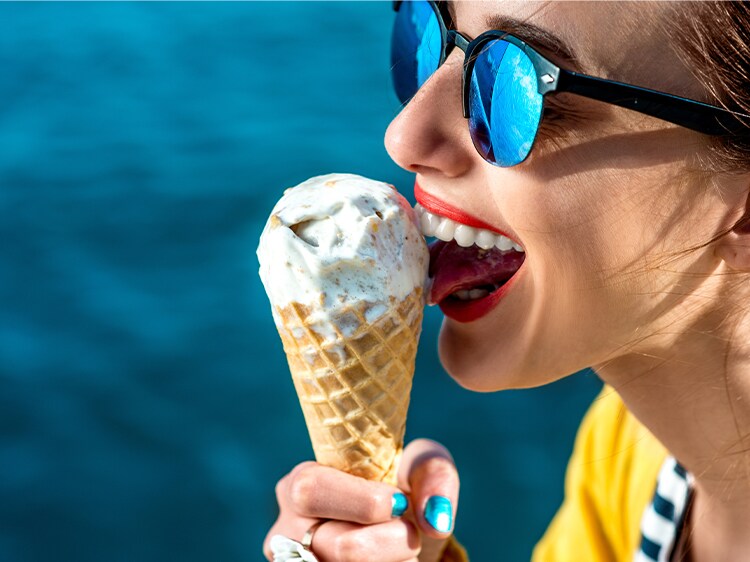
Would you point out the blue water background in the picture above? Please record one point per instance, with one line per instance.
(146, 409)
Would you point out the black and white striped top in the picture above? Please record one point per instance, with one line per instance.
(662, 520)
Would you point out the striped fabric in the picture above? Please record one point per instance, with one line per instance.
(662, 519)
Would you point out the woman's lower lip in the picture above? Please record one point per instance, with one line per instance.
(470, 310)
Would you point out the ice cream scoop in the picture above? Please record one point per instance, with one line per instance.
(345, 266)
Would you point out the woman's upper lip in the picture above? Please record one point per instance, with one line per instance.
(440, 207)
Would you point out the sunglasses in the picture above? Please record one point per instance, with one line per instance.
(505, 82)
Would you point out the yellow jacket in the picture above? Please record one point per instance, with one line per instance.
(610, 481)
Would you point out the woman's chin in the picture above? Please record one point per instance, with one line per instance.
(483, 365)
(470, 365)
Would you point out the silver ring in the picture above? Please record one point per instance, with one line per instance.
(308, 538)
(287, 550)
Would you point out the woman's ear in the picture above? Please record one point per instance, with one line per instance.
(734, 248)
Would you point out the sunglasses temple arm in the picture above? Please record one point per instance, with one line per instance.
(688, 113)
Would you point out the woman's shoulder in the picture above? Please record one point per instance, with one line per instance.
(610, 481)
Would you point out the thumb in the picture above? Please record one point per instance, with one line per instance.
(429, 473)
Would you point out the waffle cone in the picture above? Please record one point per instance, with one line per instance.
(354, 388)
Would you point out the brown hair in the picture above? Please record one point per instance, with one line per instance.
(713, 39)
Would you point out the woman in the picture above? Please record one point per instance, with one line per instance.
(628, 214)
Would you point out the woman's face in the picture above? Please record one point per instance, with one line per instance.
(599, 205)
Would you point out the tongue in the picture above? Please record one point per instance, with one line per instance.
(454, 268)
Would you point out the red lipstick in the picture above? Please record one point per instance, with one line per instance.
(468, 311)
(454, 269)
(439, 207)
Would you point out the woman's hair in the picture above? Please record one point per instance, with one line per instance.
(713, 39)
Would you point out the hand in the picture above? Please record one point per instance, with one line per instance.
(362, 527)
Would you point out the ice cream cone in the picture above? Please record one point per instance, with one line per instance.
(345, 265)
(354, 389)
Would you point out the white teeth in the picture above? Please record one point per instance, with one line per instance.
(446, 230)
(471, 294)
(464, 235)
(429, 222)
(485, 239)
(503, 243)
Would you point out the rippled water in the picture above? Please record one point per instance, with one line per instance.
(145, 406)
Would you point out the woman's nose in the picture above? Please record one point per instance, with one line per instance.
(431, 134)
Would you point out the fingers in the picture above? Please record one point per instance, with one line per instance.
(291, 527)
(394, 541)
(432, 479)
(339, 541)
(363, 517)
(320, 492)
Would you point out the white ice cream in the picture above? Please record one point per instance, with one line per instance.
(340, 238)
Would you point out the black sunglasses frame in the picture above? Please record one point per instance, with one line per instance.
(692, 114)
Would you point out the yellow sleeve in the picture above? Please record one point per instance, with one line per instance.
(609, 482)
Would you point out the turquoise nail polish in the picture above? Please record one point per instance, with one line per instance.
(399, 503)
(439, 513)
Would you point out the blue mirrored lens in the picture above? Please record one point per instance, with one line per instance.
(505, 105)
(415, 48)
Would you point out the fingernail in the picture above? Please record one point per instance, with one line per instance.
(439, 513)
(399, 503)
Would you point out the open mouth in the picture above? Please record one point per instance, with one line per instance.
(471, 268)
